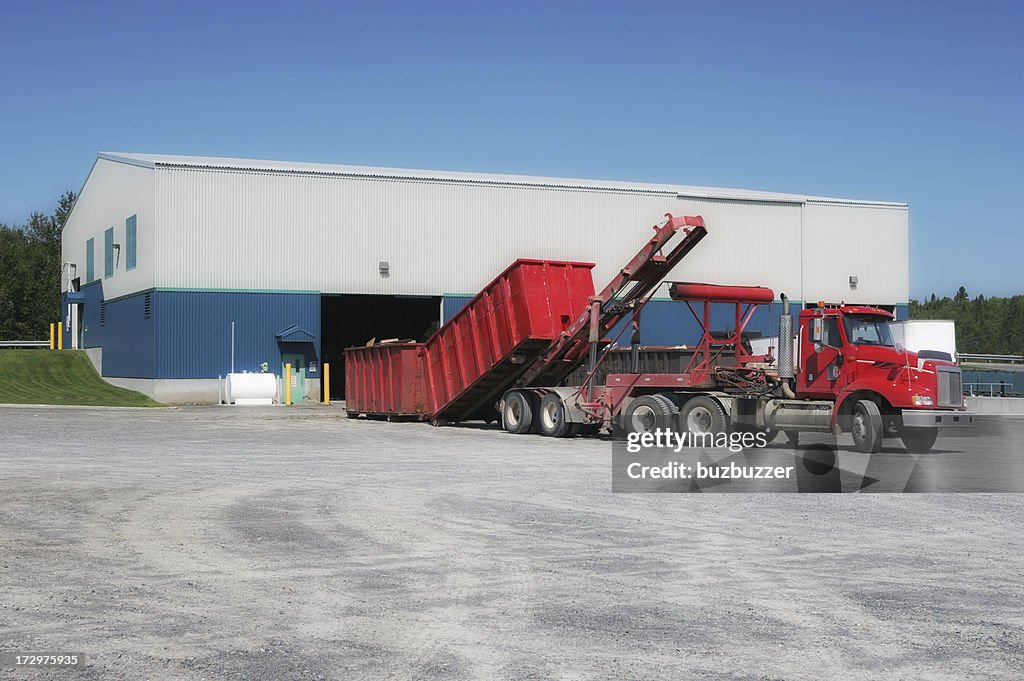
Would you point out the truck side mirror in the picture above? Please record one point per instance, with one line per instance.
(816, 331)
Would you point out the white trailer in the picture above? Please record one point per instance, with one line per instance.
(926, 334)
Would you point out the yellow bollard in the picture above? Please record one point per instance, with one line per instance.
(52, 341)
(60, 336)
(327, 385)
(288, 384)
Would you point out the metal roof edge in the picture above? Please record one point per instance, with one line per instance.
(120, 158)
(474, 178)
(81, 189)
(725, 196)
(856, 202)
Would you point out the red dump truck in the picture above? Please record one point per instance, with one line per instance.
(509, 352)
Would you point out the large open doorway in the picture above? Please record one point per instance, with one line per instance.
(351, 320)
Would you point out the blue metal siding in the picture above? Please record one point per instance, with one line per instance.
(450, 306)
(668, 322)
(193, 330)
(902, 312)
(129, 340)
(121, 329)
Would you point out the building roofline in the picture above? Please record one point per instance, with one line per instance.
(408, 174)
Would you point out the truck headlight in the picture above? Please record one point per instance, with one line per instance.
(922, 400)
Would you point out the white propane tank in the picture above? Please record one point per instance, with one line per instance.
(244, 389)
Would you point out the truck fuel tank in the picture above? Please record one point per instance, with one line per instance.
(798, 415)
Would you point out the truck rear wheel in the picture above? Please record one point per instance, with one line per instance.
(647, 413)
(866, 427)
(919, 440)
(518, 414)
(552, 417)
(703, 415)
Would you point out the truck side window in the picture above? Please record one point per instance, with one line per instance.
(830, 332)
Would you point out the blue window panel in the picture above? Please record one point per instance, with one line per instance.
(90, 255)
(130, 241)
(108, 253)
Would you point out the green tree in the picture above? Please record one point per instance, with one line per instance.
(30, 269)
(984, 325)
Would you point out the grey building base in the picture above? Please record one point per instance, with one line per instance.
(184, 391)
(172, 390)
(95, 356)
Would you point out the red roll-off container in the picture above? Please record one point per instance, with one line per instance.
(471, 360)
(385, 379)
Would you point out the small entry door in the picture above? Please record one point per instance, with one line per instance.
(298, 375)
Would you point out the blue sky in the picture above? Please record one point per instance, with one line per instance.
(915, 102)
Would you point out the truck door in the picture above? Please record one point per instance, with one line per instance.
(820, 357)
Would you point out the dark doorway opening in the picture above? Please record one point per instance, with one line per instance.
(352, 320)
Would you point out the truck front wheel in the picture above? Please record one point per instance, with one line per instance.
(866, 427)
(919, 440)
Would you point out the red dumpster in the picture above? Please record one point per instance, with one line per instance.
(491, 341)
(385, 379)
(465, 366)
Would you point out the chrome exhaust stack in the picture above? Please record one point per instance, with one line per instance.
(785, 354)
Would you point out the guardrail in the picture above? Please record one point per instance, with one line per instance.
(24, 344)
(968, 357)
(995, 389)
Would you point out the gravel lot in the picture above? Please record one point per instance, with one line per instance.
(221, 543)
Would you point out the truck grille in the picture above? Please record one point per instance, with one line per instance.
(950, 389)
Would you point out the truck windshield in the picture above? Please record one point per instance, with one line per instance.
(866, 329)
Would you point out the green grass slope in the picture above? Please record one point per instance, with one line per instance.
(60, 377)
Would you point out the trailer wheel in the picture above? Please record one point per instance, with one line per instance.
(517, 416)
(866, 427)
(647, 413)
(552, 417)
(703, 415)
(919, 440)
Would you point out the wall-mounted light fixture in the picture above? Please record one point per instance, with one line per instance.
(853, 282)
(385, 268)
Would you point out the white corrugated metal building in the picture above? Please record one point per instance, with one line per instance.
(307, 258)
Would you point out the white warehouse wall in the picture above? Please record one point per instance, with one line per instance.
(264, 230)
(112, 193)
(871, 243)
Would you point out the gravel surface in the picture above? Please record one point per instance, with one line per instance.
(271, 543)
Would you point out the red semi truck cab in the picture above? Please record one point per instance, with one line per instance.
(847, 354)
